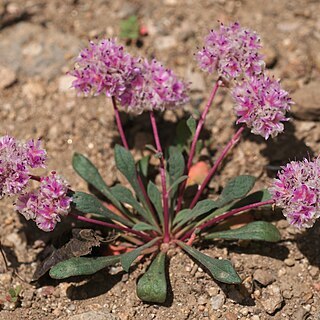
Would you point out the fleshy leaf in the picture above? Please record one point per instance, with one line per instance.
(142, 226)
(128, 258)
(143, 165)
(155, 197)
(200, 208)
(124, 195)
(258, 196)
(152, 286)
(129, 28)
(81, 266)
(176, 183)
(221, 270)
(87, 171)
(176, 165)
(183, 134)
(257, 230)
(235, 189)
(192, 125)
(87, 203)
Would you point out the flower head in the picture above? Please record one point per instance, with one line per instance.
(16, 158)
(261, 104)
(297, 191)
(232, 51)
(136, 84)
(104, 67)
(47, 204)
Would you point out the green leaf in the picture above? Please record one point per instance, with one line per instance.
(128, 258)
(126, 165)
(257, 230)
(176, 183)
(80, 266)
(192, 125)
(183, 134)
(221, 270)
(258, 196)
(87, 171)
(124, 195)
(152, 286)
(129, 28)
(155, 197)
(143, 166)
(180, 215)
(237, 188)
(87, 203)
(142, 226)
(199, 209)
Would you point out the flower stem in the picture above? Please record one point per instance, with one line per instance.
(226, 215)
(111, 225)
(125, 144)
(213, 170)
(166, 238)
(196, 138)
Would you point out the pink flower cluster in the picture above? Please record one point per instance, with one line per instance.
(297, 191)
(44, 205)
(135, 83)
(232, 51)
(47, 204)
(16, 158)
(261, 104)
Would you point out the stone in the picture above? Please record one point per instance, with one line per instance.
(263, 277)
(7, 77)
(289, 262)
(196, 79)
(217, 301)
(271, 299)
(166, 42)
(65, 83)
(36, 50)
(306, 101)
(101, 314)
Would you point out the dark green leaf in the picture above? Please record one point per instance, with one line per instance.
(183, 134)
(237, 188)
(155, 197)
(87, 171)
(143, 165)
(126, 165)
(81, 266)
(129, 28)
(176, 183)
(180, 215)
(200, 208)
(258, 196)
(152, 286)
(142, 226)
(257, 230)
(192, 125)
(128, 258)
(88, 203)
(221, 270)
(124, 195)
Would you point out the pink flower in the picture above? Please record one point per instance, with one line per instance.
(261, 104)
(47, 204)
(231, 51)
(297, 191)
(16, 158)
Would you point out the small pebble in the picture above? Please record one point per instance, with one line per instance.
(217, 301)
(289, 262)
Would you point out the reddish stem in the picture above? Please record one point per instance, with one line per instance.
(166, 238)
(226, 215)
(213, 170)
(195, 140)
(111, 225)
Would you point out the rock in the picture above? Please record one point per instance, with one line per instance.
(217, 301)
(166, 42)
(306, 101)
(300, 314)
(33, 90)
(36, 51)
(289, 262)
(7, 77)
(101, 314)
(230, 316)
(271, 299)
(263, 277)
